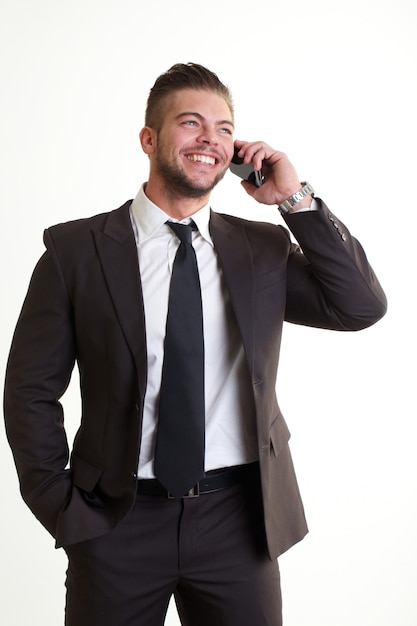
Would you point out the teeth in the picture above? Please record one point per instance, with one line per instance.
(202, 159)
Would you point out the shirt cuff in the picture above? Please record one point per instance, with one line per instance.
(313, 207)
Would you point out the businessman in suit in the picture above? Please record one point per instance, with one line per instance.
(101, 297)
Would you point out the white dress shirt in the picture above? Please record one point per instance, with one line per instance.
(230, 421)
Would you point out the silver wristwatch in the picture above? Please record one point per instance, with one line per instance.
(288, 204)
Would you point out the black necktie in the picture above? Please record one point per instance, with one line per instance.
(179, 454)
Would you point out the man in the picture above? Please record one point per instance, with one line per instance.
(101, 297)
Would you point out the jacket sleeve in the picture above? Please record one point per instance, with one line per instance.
(330, 283)
(39, 368)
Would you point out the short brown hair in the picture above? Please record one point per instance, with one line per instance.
(182, 76)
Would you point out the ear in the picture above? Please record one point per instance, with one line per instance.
(147, 138)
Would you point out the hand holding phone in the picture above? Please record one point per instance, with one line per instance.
(245, 170)
(271, 184)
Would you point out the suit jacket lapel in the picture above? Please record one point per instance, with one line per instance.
(117, 250)
(235, 257)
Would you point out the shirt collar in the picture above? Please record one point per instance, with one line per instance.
(148, 218)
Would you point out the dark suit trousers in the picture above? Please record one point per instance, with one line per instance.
(210, 552)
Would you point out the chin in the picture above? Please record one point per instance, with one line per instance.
(183, 185)
(179, 182)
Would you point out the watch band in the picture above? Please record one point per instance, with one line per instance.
(288, 204)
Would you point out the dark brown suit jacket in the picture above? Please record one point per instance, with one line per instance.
(84, 306)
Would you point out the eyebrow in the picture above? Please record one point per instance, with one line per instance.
(201, 117)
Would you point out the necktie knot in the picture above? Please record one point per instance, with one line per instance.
(183, 231)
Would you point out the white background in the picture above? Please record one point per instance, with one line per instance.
(331, 83)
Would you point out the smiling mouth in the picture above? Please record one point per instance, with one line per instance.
(202, 158)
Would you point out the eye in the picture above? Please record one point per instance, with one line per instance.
(226, 131)
(190, 123)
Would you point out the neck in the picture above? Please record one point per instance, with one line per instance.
(177, 206)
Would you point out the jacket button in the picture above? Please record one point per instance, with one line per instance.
(134, 476)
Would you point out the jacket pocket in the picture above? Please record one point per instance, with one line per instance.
(270, 278)
(279, 434)
(85, 475)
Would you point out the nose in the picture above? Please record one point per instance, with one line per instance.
(208, 136)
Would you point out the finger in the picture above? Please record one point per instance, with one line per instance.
(248, 187)
(256, 152)
(248, 149)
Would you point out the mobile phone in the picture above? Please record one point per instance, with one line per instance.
(245, 170)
